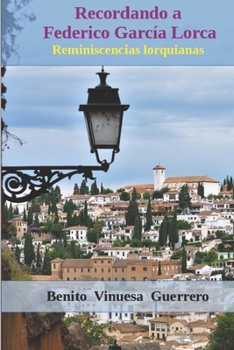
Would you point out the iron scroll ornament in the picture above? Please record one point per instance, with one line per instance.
(19, 186)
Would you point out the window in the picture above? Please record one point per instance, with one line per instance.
(81, 270)
(54, 266)
(88, 270)
(144, 268)
(95, 270)
(109, 270)
(133, 269)
(152, 326)
(74, 270)
(67, 270)
(102, 270)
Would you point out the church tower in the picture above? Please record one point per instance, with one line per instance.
(159, 177)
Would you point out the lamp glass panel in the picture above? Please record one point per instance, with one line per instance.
(105, 128)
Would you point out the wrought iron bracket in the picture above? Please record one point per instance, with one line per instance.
(19, 184)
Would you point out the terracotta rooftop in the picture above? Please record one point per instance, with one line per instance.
(198, 178)
(128, 328)
(77, 263)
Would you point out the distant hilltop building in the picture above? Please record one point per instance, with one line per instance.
(210, 185)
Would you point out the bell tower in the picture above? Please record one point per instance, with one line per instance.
(159, 176)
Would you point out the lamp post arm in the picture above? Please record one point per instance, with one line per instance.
(19, 185)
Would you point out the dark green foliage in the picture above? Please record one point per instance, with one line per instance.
(94, 189)
(200, 190)
(183, 225)
(163, 231)
(173, 230)
(46, 268)
(17, 254)
(56, 230)
(223, 335)
(29, 254)
(24, 216)
(184, 261)
(84, 189)
(124, 196)
(38, 261)
(69, 205)
(137, 228)
(74, 249)
(30, 217)
(158, 194)
(36, 221)
(177, 254)
(76, 189)
(131, 213)
(149, 221)
(184, 198)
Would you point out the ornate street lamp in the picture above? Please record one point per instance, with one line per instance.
(103, 116)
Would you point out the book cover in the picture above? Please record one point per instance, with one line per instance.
(163, 99)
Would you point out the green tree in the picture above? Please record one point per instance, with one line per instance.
(12, 229)
(56, 230)
(212, 255)
(117, 243)
(173, 230)
(94, 189)
(149, 220)
(223, 335)
(131, 213)
(124, 196)
(200, 190)
(184, 261)
(38, 260)
(76, 189)
(36, 221)
(137, 228)
(46, 267)
(24, 215)
(74, 249)
(84, 189)
(30, 217)
(29, 254)
(164, 231)
(184, 198)
(17, 254)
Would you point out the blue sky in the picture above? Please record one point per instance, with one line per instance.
(180, 117)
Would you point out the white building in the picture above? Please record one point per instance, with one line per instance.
(210, 185)
(77, 233)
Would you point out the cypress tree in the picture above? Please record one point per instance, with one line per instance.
(137, 228)
(24, 216)
(38, 261)
(131, 213)
(94, 189)
(17, 254)
(46, 268)
(76, 189)
(173, 230)
(184, 198)
(164, 231)
(184, 261)
(29, 254)
(149, 221)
